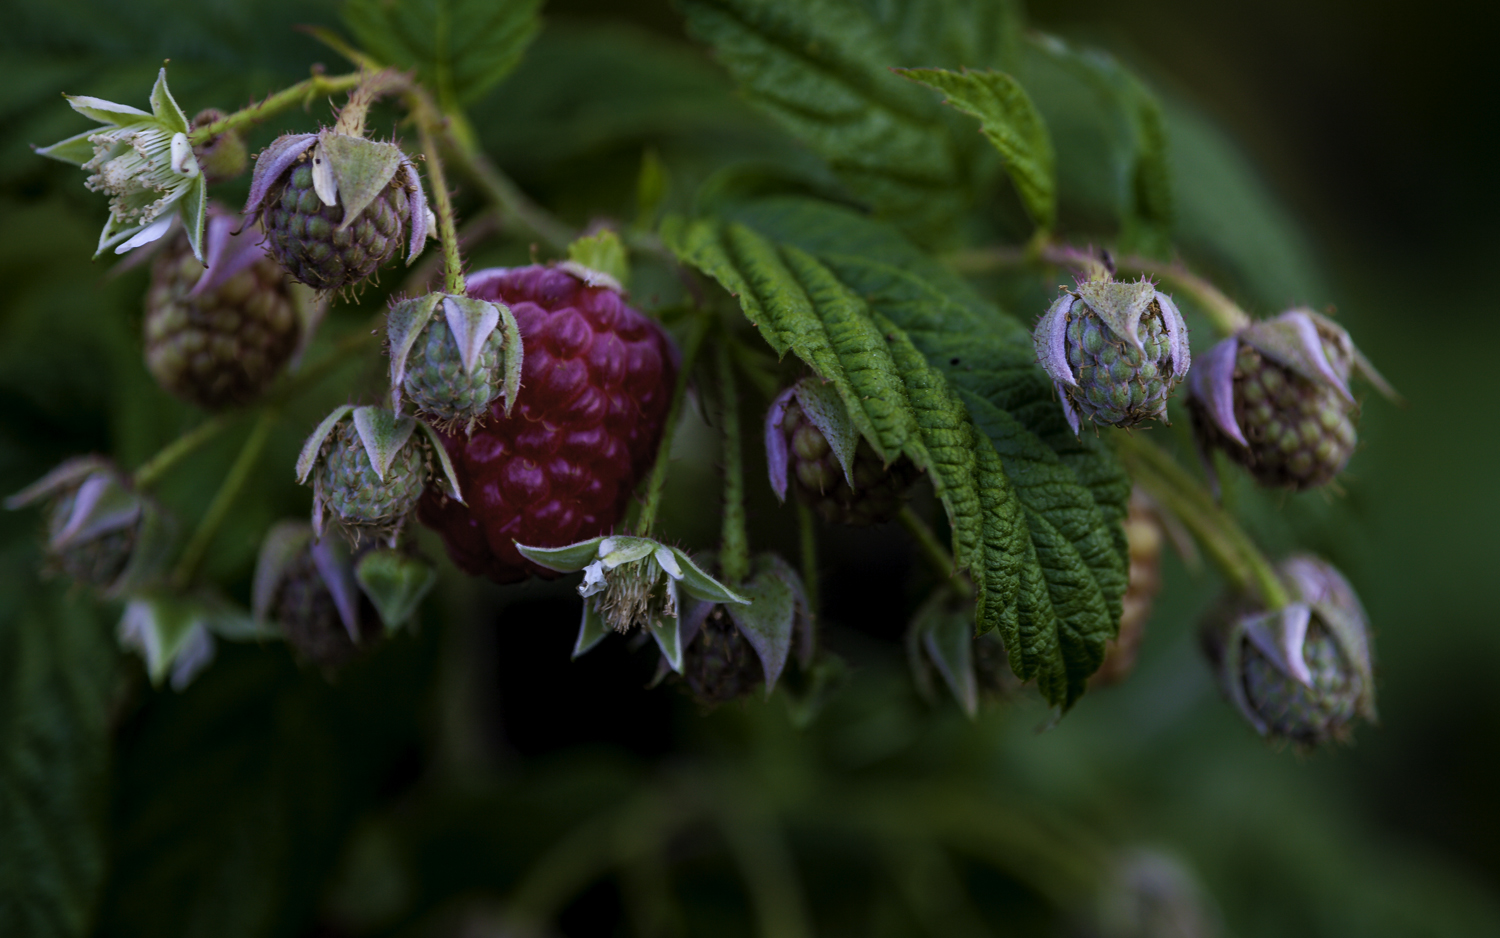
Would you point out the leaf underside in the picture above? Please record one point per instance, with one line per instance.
(930, 371)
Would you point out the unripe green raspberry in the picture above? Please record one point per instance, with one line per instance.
(335, 206)
(452, 357)
(809, 439)
(368, 468)
(1275, 398)
(1115, 351)
(218, 337)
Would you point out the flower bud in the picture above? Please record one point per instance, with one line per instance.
(1303, 672)
(1115, 351)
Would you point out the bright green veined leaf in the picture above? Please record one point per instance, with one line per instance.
(460, 48)
(1035, 512)
(1009, 120)
(1146, 202)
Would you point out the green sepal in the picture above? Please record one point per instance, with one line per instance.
(159, 627)
(568, 559)
(450, 475)
(620, 549)
(403, 325)
(769, 619)
(600, 253)
(314, 445)
(396, 583)
(513, 350)
(591, 630)
(698, 584)
(76, 150)
(165, 108)
(668, 635)
(362, 169)
(1120, 305)
(471, 321)
(823, 406)
(282, 544)
(383, 434)
(195, 215)
(947, 638)
(107, 112)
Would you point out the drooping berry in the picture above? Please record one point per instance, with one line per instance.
(561, 466)
(1115, 351)
(368, 468)
(452, 357)
(731, 650)
(811, 441)
(1303, 672)
(305, 586)
(335, 206)
(100, 531)
(1276, 399)
(217, 337)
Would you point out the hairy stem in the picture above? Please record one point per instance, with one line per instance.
(300, 94)
(734, 547)
(229, 489)
(1224, 313)
(809, 549)
(1226, 544)
(453, 264)
(351, 118)
(933, 551)
(150, 472)
(697, 329)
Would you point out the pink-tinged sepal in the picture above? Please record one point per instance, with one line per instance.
(1212, 383)
(229, 247)
(1051, 340)
(778, 456)
(1292, 340)
(272, 162)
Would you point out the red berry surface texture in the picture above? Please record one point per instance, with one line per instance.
(595, 384)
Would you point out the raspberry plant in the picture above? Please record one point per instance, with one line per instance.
(850, 310)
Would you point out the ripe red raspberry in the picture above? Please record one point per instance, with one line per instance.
(595, 384)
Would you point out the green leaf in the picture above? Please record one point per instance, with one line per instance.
(459, 48)
(940, 376)
(57, 673)
(821, 69)
(1009, 120)
(1146, 197)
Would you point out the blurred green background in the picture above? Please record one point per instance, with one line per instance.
(419, 793)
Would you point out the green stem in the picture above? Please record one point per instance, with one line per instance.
(654, 486)
(150, 472)
(301, 93)
(1224, 313)
(1226, 544)
(734, 548)
(933, 551)
(453, 264)
(238, 475)
(809, 548)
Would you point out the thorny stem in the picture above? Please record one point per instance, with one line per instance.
(647, 520)
(453, 264)
(468, 159)
(1230, 548)
(734, 551)
(1225, 314)
(239, 473)
(301, 94)
(933, 551)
